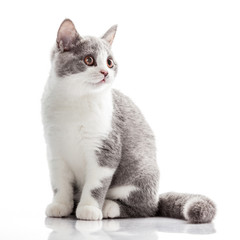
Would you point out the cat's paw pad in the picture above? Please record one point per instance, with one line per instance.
(58, 210)
(111, 209)
(88, 213)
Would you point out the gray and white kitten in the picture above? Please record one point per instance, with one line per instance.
(101, 151)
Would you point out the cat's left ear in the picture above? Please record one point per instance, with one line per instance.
(67, 35)
(110, 34)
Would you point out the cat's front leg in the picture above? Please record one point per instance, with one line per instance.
(97, 181)
(61, 180)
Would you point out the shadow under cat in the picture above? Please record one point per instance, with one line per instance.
(140, 228)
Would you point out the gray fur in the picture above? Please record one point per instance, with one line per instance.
(67, 36)
(130, 147)
(198, 208)
(55, 190)
(110, 152)
(70, 59)
(100, 193)
(67, 63)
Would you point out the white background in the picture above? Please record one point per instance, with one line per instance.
(178, 60)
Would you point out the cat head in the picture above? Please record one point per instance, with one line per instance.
(85, 63)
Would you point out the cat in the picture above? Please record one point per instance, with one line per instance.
(101, 151)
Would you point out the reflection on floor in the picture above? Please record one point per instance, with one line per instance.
(140, 228)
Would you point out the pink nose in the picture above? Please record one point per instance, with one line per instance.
(105, 73)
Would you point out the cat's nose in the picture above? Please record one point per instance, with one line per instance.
(105, 73)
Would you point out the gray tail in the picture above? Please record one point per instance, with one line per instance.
(191, 207)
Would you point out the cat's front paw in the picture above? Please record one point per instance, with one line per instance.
(58, 210)
(88, 213)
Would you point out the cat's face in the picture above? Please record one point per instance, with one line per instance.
(84, 63)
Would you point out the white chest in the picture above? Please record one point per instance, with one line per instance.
(75, 131)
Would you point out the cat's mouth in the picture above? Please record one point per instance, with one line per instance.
(103, 81)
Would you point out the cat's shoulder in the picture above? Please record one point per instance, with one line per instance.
(124, 104)
(117, 95)
(121, 99)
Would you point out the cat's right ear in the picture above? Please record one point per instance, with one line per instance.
(67, 35)
(110, 34)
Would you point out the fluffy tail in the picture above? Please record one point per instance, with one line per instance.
(190, 207)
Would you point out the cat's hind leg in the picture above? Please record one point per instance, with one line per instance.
(111, 209)
(129, 202)
(122, 209)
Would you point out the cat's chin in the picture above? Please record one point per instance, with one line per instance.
(101, 83)
(99, 86)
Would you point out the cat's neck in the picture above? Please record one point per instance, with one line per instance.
(62, 94)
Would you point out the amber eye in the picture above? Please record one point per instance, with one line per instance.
(110, 62)
(89, 60)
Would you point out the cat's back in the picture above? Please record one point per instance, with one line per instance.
(138, 151)
(131, 115)
(136, 132)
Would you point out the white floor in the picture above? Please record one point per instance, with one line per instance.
(70, 228)
(38, 227)
(141, 229)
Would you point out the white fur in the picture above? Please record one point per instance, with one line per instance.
(111, 209)
(77, 114)
(56, 209)
(121, 192)
(89, 213)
